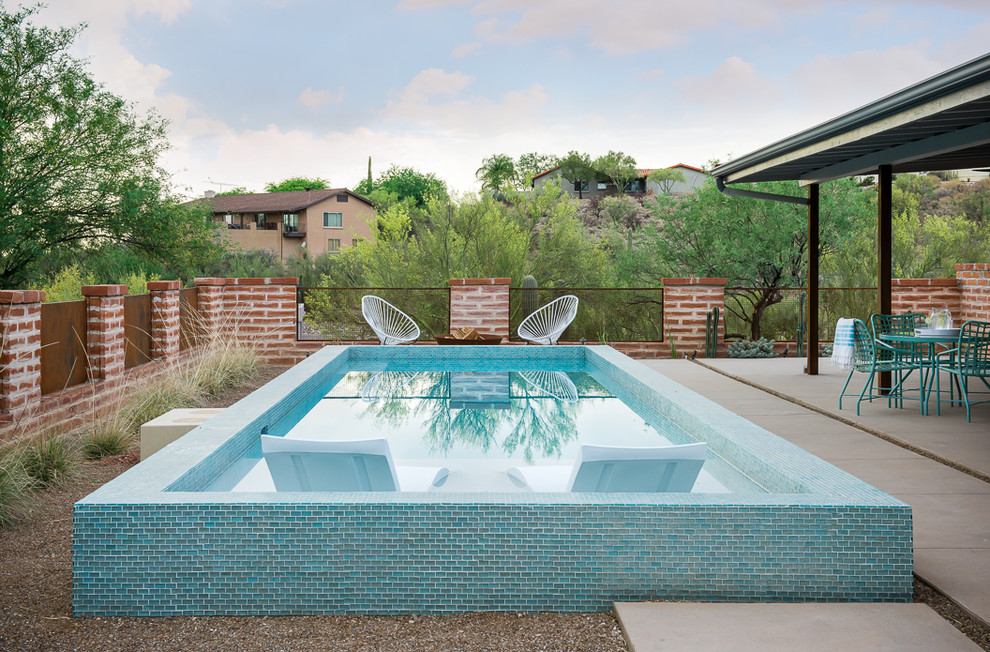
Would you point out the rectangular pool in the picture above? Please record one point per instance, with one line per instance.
(199, 528)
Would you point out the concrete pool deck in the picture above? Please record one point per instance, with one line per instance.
(951, 508)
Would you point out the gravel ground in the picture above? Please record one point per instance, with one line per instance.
(36, 602)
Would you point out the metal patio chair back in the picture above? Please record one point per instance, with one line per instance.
(546, 325)
(897, 325)
(970, 359)
(391, 325)
(871, 356)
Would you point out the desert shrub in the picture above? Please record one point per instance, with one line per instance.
(106, 438)
(747, 348)
(48, 459)
(15, 483)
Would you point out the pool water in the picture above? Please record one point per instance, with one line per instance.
(476, 424)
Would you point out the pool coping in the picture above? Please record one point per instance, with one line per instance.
(818, 482)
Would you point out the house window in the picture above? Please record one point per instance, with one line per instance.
(260, 220)
(355, 241)
(342, 198)
(290, 222)
(333, 220)
(333, 246)
(581, 186)
(228, 219)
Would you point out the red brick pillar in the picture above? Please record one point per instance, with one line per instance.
(924, 295)
(974, 282)
(105, 331)
(481, 304)
(165, 327)
(211, 305)
(686, 303)
(20, 351)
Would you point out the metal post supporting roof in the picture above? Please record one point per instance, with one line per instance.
(812, 327)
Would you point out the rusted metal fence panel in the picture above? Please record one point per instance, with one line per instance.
(137, 330)
(63, 345)
(604, 314)
(189, 323)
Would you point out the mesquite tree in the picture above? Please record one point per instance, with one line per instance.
(78, 165)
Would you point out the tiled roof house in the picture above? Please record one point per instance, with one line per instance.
(289, 223)
(693, 177)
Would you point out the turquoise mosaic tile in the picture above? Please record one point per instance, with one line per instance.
(152, 543)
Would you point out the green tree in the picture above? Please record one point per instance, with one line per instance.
(760, 245)
(78, 166)
(409, 183)
(497, 173)
(239, 190)
(576, 168)
(529, 165)
(666, 178)
(297, 183)
(617, 167)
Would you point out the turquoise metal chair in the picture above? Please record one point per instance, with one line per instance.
(871, 357)
(899, 351)
(970, 359)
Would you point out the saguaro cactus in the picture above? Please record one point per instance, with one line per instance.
(530, 297)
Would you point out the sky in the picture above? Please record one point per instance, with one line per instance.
(262, 90)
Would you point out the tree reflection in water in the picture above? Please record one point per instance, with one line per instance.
(534, 423)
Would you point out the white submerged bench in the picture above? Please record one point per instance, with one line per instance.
(162, 431)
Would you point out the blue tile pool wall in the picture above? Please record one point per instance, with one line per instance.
(139, 549)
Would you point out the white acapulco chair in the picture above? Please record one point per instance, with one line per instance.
(553, 383)
(546, 325)
(358, 465)
(391, 325)
(619, 469)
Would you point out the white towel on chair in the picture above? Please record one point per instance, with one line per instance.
(843, 346)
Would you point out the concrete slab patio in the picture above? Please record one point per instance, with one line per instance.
(951, 507)
(689, 627)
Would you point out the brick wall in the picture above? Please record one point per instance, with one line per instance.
(105, 332)
(165, 326)
(974, 283)
(686, 302)
(925, 294)
(259, 311)
(480, 303)
(20, 352)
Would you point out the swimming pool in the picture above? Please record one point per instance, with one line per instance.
(166, 539)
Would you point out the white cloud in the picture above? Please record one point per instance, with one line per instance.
(419, 5)
(634, 26)
(433, 99)
(734, 83)
(465, 49)
(871, 20)
(829, 86)
(316, 99)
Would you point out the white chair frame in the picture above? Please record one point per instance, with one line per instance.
(391, 325)
(547, 324)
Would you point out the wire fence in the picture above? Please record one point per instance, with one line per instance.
(334, 314)
(604, 314)
(787, 310)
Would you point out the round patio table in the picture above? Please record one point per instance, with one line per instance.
(926, 363)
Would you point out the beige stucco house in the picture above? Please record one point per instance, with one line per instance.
(290, 223)
(693, 178)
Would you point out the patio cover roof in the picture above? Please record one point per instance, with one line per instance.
(942, 123)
